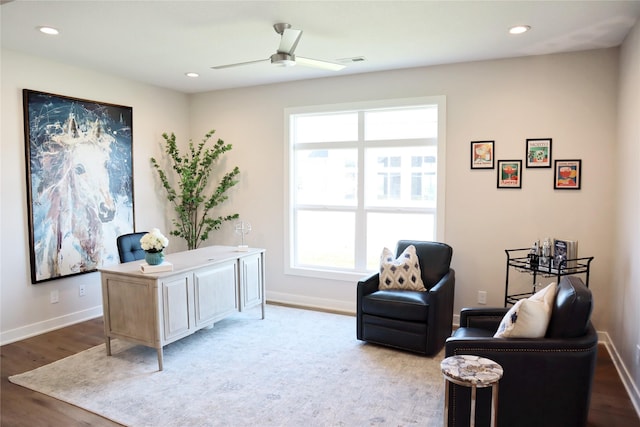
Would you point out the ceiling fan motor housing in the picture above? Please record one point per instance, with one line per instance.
(283, 59)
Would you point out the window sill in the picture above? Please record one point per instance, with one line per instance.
(336, 275)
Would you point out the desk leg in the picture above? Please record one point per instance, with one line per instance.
(446, 403)
(160, 367)
(494, 404)
(107, 344)
(472, 420)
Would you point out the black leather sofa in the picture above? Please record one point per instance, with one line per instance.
(547, 381)
(410, 320)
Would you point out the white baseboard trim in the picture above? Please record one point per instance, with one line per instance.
(325, 304)
(38, 328)
(623, 372)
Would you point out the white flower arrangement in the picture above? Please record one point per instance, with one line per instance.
(154, 241)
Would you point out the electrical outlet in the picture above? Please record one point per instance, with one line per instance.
(54, 297)
(82, 291)
(482, 297)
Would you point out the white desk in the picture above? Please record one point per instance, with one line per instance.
(205, 286)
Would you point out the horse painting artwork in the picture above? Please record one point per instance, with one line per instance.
(79, 172)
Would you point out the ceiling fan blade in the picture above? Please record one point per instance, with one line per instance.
(238, 64)
(289, 41)
(316, 63)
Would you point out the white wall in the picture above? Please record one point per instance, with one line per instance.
(570, 98)
(624, 327)
(25, 308)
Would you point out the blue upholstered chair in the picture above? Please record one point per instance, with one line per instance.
(129, 248)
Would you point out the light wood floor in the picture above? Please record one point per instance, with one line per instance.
(610, 404)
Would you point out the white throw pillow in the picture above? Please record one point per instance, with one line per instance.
(529, 318)
(400, 273)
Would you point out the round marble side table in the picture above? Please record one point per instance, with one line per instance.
(475, 372)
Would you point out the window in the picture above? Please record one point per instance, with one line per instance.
(362, 177)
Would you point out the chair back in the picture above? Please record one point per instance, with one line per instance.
(571, 309)
(129, 248)
(435, 259)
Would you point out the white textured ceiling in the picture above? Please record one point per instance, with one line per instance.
(158, 41)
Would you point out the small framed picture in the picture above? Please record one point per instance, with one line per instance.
(567, 174)
(482, 155)
(509, 173)
(538, 153)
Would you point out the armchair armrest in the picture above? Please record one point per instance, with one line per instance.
(496, 347)
(368, 285)
(365, 287)
(445, 283)
(488, 318)
(441, 297)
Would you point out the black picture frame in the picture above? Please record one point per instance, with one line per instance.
(79, 167)
(538, 153)
(509, 174)
(567, 174)
(483, 154)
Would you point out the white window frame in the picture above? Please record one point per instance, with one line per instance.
(350, 276)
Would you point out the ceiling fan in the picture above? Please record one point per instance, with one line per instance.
(284, 56)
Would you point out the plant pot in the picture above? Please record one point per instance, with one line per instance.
(154, 258)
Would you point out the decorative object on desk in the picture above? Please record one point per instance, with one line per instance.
(153, 244)
(567, 174)
(243, 228)
(187, 194)
(482, 155)
(538, 153)
(156, 268)
(79, 183)
(509, 173)
(154, 258)
(564, 254)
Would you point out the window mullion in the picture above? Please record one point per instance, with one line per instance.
(361, 215)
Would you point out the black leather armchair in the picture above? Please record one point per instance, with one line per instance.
(129, 248)
(410, 320)
(547, 381)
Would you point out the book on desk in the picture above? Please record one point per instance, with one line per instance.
(165, 266)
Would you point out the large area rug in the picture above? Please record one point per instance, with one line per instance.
(294, 368)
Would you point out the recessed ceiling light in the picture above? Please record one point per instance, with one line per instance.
(192, 75)
(519, 29)
(49, 30)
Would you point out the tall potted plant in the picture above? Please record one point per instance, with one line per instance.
(189, 196)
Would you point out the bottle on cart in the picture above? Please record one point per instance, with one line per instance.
(534, 254)
(545, 257)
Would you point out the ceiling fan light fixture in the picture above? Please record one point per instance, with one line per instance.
(283, 60)
(519, 29)
(48, 30)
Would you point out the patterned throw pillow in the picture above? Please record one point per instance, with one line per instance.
(529, 318)
(400, 273)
